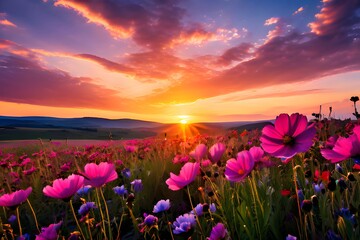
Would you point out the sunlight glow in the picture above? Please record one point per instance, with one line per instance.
(183, 121)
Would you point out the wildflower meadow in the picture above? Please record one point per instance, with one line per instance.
(294, 179)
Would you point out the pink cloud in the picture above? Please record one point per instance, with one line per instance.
(271, 21)
(24, 80)
(7, 23)
(153, 24)
(299, 10)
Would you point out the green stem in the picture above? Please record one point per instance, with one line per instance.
(18, 219)
(33, 212)
(254, 193)
(192, 207)
(107, 213)
(297, 199)
(101, 213)
(77, 222)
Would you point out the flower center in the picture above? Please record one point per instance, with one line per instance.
(288, 140)
(241, 172)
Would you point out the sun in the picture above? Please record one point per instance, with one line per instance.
(183, 121)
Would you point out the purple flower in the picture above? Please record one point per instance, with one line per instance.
(12, 218)
(84, 190)
(161, 206)
(184, 223)
(218, 232)
(289, 135)
(86, 207)
(120, 190)
(290, 237)
(212, 207)
(126, 173)
(198, 210)
(238, 169)
(50, 232)
(137, 185)
(345, 148)
(150, 220)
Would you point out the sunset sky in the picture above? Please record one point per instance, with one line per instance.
(165, 60)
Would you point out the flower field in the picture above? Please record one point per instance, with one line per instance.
(295, 179)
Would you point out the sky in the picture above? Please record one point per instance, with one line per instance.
(168, 60)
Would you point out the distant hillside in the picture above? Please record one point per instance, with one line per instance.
(20, 128)
(74, 123)
(251, 126)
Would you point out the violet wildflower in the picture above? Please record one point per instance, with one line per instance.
(121, 191)
(218, 232)
(86, 207)
(184, 223)
(161, 206)
(126, 172)
(137, 185)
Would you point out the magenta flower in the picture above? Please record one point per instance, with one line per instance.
(16, 198)
(216, 152)
(289, 135)
(50, 232)
(199, 152)
(98, 175)
(345, 148)
(186, 176)
(238, 169)
(64, 188)
(218, 232)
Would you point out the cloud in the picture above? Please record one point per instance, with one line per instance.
(299, 10)
(110, 65)
(271, 21)
(286, 58)
(7, 23)
(24, 80)
(337, 17)
(152, 24)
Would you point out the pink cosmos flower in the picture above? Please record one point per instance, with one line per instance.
(98, 175)
(199, 152)
(64, 188)
(345, 148)
(238, 169)
(50, 232)
(16, 198)
(289, 135)
(216, 152)
(186, 176)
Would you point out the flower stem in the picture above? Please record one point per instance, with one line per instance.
(192, 207)
(18, 219)
(33, 212)
(77, 222)
(101, 213)
(107, 213)
(297, 198)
